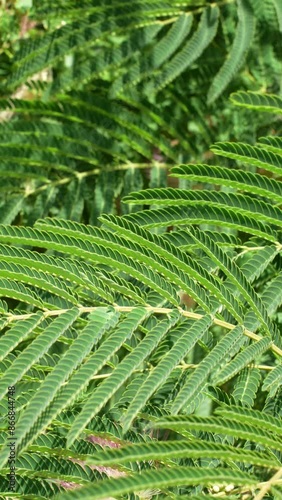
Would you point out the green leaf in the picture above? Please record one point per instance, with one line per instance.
(242, 359)
(254, 417)
(239, 179)
(197, 381)
(174, 216)
(18, 332)
(120, 375)
(160, 479)
(28, 426)
(225, 426)
(246, 386)
(158, 55)
(181, 264)
(32, 353)
(205, 33)
(229, 201)
(178, 449)
(261, 102)
(241, 44)
(278, 8)
(159, 374)
(273, 380)
(251, 155)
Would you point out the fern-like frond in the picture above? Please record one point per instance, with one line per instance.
(20, 292)
(161, 479)
(225, 426)
(260, 102)
(214, 215)
(277, 5)
(17, 333)
(161, 52)
(94, 252)
(181, 348)
(121, 374)
(235, 178)
(240, 47)
(242, 359)
(273, 380)
(181, 261)
(255, 417)
(198, 379)
(173, 308)
(81, 347)
(243, 203)
(179, 449)
(81, 377)
(251, 155)
(36, 350)
(192, 49)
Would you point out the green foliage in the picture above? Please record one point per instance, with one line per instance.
(140, 312)
(184, 402)
(240, 47)
(100, 98)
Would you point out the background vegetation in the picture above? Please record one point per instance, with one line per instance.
(100, 102)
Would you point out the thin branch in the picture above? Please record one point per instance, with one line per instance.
(154, 310)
